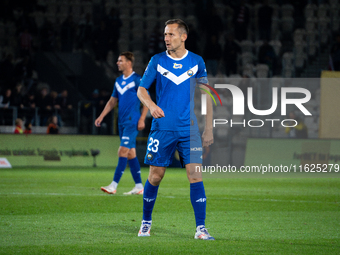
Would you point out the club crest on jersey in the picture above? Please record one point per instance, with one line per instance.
(190, 73)
(123, 83)
(177, 66)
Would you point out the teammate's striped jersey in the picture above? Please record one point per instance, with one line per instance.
(125, 89)
(173, 89)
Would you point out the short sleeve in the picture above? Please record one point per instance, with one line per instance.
(202, 72)
(114, 93)
(150, 73)
(137, 81)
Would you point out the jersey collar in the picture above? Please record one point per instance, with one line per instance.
(177, 59)
(125, 78)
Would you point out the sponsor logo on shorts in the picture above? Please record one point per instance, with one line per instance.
(149, 156)
(126, 142)
(196, 149)
(126, 137)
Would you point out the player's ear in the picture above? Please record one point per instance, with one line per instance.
(184, 36)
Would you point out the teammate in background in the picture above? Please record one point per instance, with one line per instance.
(18, 126)
(130, 120)
(174, 125)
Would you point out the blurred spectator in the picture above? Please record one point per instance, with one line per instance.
(84, 35)
(101, 39)
(5, 103)
(267, 55)
(18, 126)
(29, 107)
(17, 99)
(18, 95)
(241, 21)
(94, 98)
(28, 128)
(53, 127)
(300, 131)
(55, 106)
(64, 101)
(25, 43)
(335, 54)
(113, 24)
(212, 54)
(191, 42)
(29, 100)
(67, 34)
(54, 101)
(156, 41)
(6, 98)
(230, 53)
(66, 108)
(265, 13)
(43, 102)
(48, 36)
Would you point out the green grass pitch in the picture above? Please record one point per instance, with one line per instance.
(63, 211)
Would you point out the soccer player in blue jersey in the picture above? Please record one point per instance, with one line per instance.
(130, 120)
(174, 125)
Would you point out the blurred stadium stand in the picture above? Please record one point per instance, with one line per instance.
(301, 46)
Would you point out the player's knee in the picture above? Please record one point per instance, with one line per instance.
(155, 179)
(123, 152)
(131, 154)
(193, 179)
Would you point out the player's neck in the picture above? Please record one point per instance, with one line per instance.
(179, 53)
(127, 73)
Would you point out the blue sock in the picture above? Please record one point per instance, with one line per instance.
(149, 199)
(120, 169)
(198, 201)
(135, 170)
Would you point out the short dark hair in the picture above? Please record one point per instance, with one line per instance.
(181, 24)
(129, 56)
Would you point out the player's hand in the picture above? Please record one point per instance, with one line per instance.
(98, 121)
(141, 125)
(157, 112)
(207, 137)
